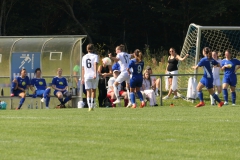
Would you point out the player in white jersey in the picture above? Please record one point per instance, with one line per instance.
(216, 77)
(90, 75)
(123, 59)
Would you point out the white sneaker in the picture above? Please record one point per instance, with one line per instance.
(166, 97)
(129, 104)
(43, 100)
(225, 103)
(117, 101)
(175, 97)
(47, 107)
(233, 104)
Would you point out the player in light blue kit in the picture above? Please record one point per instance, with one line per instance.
(19, 85)
(207, 80)
(136, 65)
(60, 85)
(230, 78)
(40, 86)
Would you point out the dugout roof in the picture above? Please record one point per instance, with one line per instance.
(51, 52)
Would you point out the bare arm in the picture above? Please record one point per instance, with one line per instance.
(95, 70)
(113, 58)
(82, 78)
(182, 59)
(55, 88)
(195, 67)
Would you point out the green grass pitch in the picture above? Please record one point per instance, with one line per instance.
(179, 132)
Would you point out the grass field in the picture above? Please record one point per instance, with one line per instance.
(180, 132)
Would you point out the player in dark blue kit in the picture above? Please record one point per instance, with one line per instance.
(19, 85)
(230, 78)
(136, 65)
(207, 80)
(41, 89)
(60, 85)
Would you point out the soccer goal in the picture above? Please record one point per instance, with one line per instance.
(218, 38)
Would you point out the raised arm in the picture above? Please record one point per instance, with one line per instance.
(182, 59)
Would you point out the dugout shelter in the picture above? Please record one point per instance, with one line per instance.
(45, 52)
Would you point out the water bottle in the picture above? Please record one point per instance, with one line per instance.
(71, 91)
(74, 91)
(36, 105)
(29, 106)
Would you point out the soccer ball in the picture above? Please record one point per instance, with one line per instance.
(3, 105)
(81, 104)
(230, 66)
(107, 61)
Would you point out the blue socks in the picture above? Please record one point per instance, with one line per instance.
(200, 96)
(66, 100)
(21, 102)
(233, 97)
(225, 95)
(132, 97)
(216, 97)
(140, 95)
(46, 92)
(47, 101)
(61, 100)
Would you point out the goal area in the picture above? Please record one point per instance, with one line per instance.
(217, 38)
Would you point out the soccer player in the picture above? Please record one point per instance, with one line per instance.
(207, 80)
(110, 92)
(136, 80)
(123, 59)
(216, 77)
(90, 76)
(19, 85)
(40, 87)
(230, 78)
(60, 85)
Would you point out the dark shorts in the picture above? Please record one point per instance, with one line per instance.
(136, 82)
(207, 82)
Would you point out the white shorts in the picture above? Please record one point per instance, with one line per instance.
(217, 82)
(91, 83)
(123, 77)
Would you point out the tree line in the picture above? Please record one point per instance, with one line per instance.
(159, 24)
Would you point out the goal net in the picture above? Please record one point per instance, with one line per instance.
(217, 38)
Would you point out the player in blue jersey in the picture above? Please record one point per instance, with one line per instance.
(40, 88)
(19, 85)
(230, 78)
(60, 85)
(207, 80)
(136, 65)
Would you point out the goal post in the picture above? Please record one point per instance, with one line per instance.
(217, 38)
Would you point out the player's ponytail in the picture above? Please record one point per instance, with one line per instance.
(208, 52)
(138, 55)
(121, 47)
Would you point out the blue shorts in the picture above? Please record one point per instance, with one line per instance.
(136, 82)
(55, 92)
(231, 80)
(39, 92)
(17, 92)
(207, 82)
